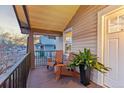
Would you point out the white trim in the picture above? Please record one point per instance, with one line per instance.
(68, 30)
(64, 33)
(100, 37)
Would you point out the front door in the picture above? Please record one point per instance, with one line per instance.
(114, 49)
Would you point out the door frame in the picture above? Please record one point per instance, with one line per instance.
(101, 37)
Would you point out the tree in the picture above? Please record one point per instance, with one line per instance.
(10, 39)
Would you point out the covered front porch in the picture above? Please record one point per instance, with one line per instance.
(31, 71)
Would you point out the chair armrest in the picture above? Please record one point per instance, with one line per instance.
(60, 65)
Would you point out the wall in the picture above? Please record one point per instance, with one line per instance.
(84, 25)
(59, 43)
(84, 31)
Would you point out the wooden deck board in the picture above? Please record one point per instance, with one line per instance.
(43, 78)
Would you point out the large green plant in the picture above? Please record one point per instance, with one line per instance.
(89, 60)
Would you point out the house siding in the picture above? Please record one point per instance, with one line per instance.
(84, 25)
(84, 31)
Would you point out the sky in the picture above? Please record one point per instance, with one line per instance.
(8, 21)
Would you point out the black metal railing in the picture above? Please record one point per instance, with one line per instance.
(42, 56)
(17, 76)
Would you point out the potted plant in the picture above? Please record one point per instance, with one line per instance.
(86, 61)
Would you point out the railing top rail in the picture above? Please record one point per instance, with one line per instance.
(45, 50)
(6, 75)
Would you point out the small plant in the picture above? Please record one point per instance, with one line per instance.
(89, 60)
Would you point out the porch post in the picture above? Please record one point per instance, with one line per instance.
(31, 48)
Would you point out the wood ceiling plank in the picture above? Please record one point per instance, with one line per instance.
(51, 17)
(46, 32)
(46, 23)
(53, 8)
(45, 27)
(48, 17)
(59, 23)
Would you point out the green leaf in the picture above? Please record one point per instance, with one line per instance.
(89, 60)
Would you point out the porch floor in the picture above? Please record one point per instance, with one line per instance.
(43, 78)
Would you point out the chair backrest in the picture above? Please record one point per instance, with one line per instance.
(59, 56)
(70, 57)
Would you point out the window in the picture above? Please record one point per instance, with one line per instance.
(68, 42)
(116, 21)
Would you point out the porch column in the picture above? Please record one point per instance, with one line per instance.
(64, 36)
(31, 48)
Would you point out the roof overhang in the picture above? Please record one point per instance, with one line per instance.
(44, 19)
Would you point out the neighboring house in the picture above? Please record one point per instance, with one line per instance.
(46, 43)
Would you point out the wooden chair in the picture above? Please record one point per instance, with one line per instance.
(62, 69)
(58, 59)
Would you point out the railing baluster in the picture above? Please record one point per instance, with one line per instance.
(25, 73)
(42, 56)
(39, 54)
(17, 76)
(13, 80)
(20, 76)
(4, 84)
(37, 58)
(10, 82)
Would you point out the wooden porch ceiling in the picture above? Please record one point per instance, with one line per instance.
(49, 19)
